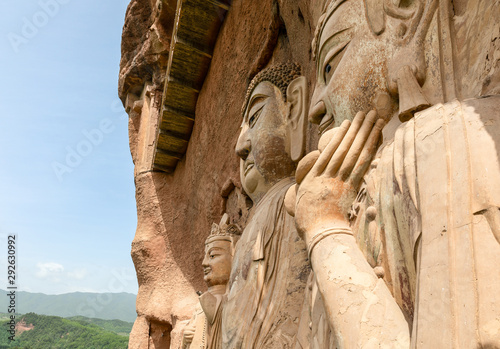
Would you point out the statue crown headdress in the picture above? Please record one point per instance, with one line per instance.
(328, 8)
(224, 231)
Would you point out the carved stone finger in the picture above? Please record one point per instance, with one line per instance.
(367, 154)
(305, 165)
(326, 138)
(340, 153)
(357, 146)
(330, 149)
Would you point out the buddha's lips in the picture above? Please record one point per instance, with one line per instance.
(248, 167)
(207, 271)
(326, 122)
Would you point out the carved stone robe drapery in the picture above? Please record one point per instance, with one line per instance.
(268, 278)
(199, 320)
(212, 308)
(207, 320)
(429, 216)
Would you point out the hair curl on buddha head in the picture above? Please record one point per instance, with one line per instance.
(280, 75)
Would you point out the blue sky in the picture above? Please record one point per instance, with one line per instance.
(74, 215)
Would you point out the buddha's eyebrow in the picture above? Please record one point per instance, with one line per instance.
(215, 249)
(256, 99)
(331, 38)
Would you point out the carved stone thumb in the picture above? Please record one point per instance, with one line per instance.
(306, 164)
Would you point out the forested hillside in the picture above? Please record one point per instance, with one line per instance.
(42, 332)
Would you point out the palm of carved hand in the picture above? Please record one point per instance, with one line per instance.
(328, 178)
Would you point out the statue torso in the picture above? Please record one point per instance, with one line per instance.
(268, 278)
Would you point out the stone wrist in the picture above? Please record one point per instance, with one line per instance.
(325, 233)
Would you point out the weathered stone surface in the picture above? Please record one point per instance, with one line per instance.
(458, 57)
(175, 211)
(145, 43)
(478, 47)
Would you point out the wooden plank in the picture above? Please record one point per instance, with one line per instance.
(176, 122)
(170, 133)
(178, 113)
(170, 154)
(180, 97)
(223, 5)
(163, 167)
(189, 65)
(199, 22)
(199, 49)
(171, 143)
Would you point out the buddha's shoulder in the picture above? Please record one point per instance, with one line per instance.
(485, 108)
(468, 116)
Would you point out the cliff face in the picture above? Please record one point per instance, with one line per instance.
(176, 210)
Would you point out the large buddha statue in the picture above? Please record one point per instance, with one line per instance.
(399, 207)
(270, 270)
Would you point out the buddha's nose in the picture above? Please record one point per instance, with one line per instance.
(204, 264)
(243, 145)
(318, 107)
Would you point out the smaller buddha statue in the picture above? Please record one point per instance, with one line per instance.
(203, 331)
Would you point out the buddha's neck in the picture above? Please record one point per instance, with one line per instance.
(217, 289)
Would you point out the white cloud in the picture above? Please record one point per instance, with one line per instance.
(48, 270)
(77, 274)
(57, 278)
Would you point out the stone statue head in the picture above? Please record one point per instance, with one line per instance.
(272, 137)
(368, 53)
(219, 251)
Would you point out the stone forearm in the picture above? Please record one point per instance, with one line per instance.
(361, 310)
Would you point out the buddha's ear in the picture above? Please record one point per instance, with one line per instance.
(296, 95)
(408, 67)
(376, 15)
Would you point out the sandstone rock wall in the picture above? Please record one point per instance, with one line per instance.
(175, 211)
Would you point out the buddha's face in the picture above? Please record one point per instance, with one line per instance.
(263, 141)
(217, 262)
(351, 67)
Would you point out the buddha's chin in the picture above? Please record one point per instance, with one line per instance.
(251, 182)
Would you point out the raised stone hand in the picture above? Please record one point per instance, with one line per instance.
(328, 178)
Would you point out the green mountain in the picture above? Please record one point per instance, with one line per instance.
(107, 306)
(120, 327)
(117, 326)
(42, 332)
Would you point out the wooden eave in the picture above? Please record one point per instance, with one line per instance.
(196, 26)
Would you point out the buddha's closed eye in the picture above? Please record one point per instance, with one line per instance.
(253, 119)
